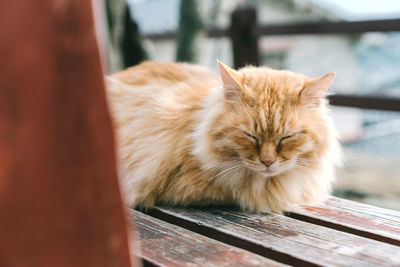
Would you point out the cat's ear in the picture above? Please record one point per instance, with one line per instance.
(230, 79)
(314, 91)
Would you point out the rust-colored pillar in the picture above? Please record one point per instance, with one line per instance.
(60, 204)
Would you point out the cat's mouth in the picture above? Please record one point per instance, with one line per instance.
(267, 172)
(274, 171)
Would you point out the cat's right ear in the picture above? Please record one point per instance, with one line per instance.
(231, 81)
(314, 91)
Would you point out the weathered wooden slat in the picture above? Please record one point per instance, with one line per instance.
(164, 244)
(356, 218)
(341, 203)
(282, 238)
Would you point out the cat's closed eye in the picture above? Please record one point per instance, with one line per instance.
(255, 139)
(280, 144)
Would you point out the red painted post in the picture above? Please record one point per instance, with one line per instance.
(60, 203)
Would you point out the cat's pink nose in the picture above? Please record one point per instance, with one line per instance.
(267, 162)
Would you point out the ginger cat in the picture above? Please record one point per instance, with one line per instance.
(257, 138)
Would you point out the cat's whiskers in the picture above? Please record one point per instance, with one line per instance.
(303, 165)
(301, 168)
(231, 178)
(223, 174)
(222, 178)
(296, 171)
(303, 162)
(226, 170)
(300, 160)
(216, 169)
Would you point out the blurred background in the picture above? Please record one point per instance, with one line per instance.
(359, 39)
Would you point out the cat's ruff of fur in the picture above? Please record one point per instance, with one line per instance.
(185, 136)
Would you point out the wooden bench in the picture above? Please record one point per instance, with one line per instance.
(336, 233)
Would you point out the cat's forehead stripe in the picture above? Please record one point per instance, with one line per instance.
(277, 120)
(263, 119)
(270, 121)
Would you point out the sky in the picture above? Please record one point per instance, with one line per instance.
(345, 9)
(365, 9)
(355, 9)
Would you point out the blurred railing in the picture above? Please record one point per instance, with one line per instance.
(244, 33)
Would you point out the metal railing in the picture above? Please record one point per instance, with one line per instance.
(244, 33)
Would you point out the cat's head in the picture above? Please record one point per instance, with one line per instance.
(273, 121)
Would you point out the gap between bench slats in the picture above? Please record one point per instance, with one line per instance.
(355, 218)
(164, 244)
(282, 238)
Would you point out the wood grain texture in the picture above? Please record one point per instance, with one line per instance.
(60, 203)
(283, 239)
(356, 218)
(164, 244)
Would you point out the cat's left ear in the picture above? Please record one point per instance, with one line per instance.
(314, 91)
(230, 79)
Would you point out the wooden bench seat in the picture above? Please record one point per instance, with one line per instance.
(336, 233)
(165, 244)
(356, 218)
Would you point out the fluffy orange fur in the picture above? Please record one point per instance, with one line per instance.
(257, 138)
